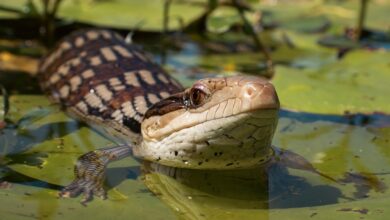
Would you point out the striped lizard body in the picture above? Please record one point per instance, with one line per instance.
(218, 123)
(100, 79)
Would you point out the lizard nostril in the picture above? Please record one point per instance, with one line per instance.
(251, 90)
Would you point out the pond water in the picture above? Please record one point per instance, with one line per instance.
(334, 114)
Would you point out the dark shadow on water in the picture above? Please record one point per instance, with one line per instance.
(12, 176)
(287, 191)
(19, 140)
(117, 175)
(25, 83)
(374, 120)
(14, 141)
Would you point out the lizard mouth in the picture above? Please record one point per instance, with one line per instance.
(237, 141)
(221, 98)
(228, 124)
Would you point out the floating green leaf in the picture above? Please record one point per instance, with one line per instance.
(135, 14)
(355, 84)
(47, 149)
(308, 15)
(221, 19)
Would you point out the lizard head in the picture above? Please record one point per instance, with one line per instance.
(218, 123)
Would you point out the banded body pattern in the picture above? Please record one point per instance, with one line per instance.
(99, 78)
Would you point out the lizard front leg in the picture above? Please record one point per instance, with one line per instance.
(90, 172)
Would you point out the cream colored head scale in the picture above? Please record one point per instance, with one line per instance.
(218, 123)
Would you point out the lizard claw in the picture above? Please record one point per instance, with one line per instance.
(88, 189)
(90, 173)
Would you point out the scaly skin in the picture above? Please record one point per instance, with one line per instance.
(231, 128)
(98, 78)
(218, 123)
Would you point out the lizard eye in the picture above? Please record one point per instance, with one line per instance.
(197, 96)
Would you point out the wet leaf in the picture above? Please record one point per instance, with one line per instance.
(37, 202)
(44, 151)
(135, 14)
(221, 19)
(353, 85)
(340, 14)
(335, 149)
(253, 62)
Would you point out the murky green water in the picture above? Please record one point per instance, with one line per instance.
(335, 114)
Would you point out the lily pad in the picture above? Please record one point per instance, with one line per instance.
(340, 14)
(253, 62)
(353, 85)
(337, 148)
(221, 19)
(138, 14)
(24, 201)
(44, 151)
